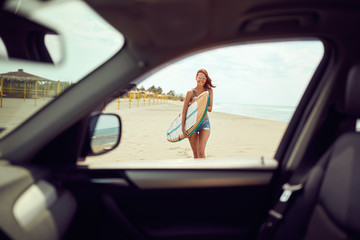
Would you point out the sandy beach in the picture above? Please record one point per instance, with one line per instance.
(15, 110)
(235, 141)
(232, 138)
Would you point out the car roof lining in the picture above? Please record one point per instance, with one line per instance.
(152, 28)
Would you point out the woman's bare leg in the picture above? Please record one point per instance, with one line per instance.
(203, 137)
(194, 143)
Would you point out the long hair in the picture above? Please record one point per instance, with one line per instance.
(208, 84)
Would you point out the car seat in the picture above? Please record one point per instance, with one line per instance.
(328, 206)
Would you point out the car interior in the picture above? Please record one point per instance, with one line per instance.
(311, 194)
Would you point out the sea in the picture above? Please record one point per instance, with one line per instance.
(105, 136)
(275, 113)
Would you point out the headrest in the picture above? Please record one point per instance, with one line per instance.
(352, 92)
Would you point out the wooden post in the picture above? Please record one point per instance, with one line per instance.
(129, 100)
(1, 91)
(138, 98)
(58, 89)
(24, 90)
(35, 92)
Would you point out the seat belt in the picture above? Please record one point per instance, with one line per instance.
(294, 185)
(277, 213)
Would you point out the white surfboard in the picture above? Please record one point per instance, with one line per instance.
(194, 116)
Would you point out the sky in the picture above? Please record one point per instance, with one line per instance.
(262, 73)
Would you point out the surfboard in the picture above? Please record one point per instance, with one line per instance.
(194, 116)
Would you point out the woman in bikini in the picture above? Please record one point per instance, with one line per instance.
(199, 138)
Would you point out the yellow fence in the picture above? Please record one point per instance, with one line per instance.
(143, 99)
(36, 89)
(31, 90)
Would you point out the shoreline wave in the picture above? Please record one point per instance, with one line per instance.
(268, 112)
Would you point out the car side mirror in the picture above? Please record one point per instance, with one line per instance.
(104, 133)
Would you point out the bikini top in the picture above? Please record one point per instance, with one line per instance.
(194, 96)
(194, 93)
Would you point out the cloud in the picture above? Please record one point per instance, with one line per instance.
(88, 40)
(265, 73)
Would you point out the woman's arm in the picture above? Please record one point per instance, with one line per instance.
(188, 97)
(210, 100)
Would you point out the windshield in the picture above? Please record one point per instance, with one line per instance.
(84, 42)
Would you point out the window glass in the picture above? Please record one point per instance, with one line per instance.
(258, 87)
(85, 41)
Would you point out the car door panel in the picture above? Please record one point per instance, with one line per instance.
(171, 204)
(157, 179)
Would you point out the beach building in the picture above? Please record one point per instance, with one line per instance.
(21, 84)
